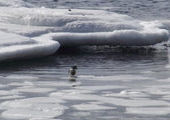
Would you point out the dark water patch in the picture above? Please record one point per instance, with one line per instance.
(16, 65)
(71, 56)
(108, 49)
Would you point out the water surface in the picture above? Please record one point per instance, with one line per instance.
(111, 84)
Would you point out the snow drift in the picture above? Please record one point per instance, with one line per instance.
(36, 32)
(14, 47)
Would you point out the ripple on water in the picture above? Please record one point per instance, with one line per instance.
(33, 89)
(100, 88)
(115, 77)
(21, 77)
(42, 119)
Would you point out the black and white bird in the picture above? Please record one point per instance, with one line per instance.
(72, 72)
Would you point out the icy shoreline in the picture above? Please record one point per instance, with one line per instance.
(47, 29)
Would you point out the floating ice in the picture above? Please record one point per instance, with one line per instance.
(9, 94)
(11, 97)
(127, 93)
(91, 107)
(33, 89)
(81, 113)
(33, 108)
(15, 46)
(46, 29)
(135, 102)
(149, 110)
(158, 89)
(119, 37)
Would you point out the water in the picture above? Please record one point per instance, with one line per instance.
(143, 9)
(113, 83)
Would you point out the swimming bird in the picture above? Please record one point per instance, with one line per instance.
(72, 71)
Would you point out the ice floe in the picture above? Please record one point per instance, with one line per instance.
(135, 102)
(33, 89)
(91, 107)
(14, 46)
(149, 110)
(32, 108)
(127, 93)
(45, 29)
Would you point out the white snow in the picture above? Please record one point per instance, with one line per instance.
(33, 32)
(14, 46)
(117, 37)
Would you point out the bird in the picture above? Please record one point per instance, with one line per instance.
(69, 9)
(72, 73)
(72, 70)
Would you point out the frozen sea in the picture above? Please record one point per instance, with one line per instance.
(113, 83)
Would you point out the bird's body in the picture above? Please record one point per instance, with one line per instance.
(72, 73)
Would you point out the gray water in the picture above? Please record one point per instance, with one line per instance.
(143, 9)
(111, 84)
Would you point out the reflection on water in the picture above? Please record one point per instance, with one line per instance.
(112, 83)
